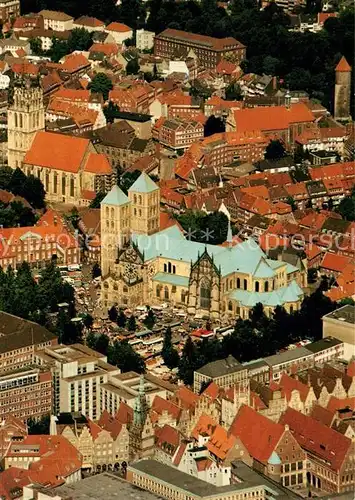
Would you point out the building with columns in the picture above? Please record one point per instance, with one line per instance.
(142, 264)
(25, 117)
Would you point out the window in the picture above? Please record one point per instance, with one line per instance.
(63, 185)
(245, 285)
(166, 293)
(230, 306)
(266, 286)
(165, 268)
(238, 282)
(205, 294)
(169, 267)
(257, 286)
(72, 187)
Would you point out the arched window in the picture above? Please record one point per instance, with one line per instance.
(63, 185)
(238, 282)
(238, 311)
(140, 199)
(72, 187)
(15, 114)
(115, 286)
(125, 289)
(245, 285)
(174, 269)
(266, 286)
(47, 181)
(231, 284)
(291, 309)
(158, 290)
(230, 306)
(183, 295)
(257, 286)
(205, 294)
(107, 212)
(166, 293)
(169, 267)
(165, 268)
(135, 198)
(112, 213)
(21, 120)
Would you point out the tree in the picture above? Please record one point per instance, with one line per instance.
(121, 354)
(188, 362)
(5, 177)
(111, 111)
(38, 426)
(52, 290)
(121, 320)
(234, 92)
(347, 207)
(291, 201)
(213, 125)
(25, 292)
(58, 49)
(17, 182)
(96, 271)
(312, 275)
(131, 325)
(169, 353)
(36, 46)
(132, 13)
(79, 39)
(113, 314)
(206, 228)
(88, 321)
(99, 343)
(270, 65)
(96, 202)
(275, 150)
(132, 67)
(101, 84)
(150, 319)
(68, 331)
(127, 179)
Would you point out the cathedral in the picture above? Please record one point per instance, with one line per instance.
(142, 264)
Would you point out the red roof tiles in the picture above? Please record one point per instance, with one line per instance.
(343, 66)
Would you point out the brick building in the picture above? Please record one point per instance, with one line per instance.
(177, 133)
(8, 9)
(175, 43)
(19, 340)
(26, 392)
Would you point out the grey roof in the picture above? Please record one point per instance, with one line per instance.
(187, 483)
(16, 333)
(221, 367)
(107, 485)
(321, 345)
(284, 357)
(336, 225)
(345, 314)
(133, 117)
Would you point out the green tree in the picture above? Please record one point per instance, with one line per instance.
(25, 292)
(52, 290)
(68, 331)
(275, 150)
(34, 192)
(150, 319)
(17, 182)
(131, 324)
(188, 362)
(132, 67)
(127, 179)
(79, 39)
(270, 65)
(101, 84)
(58, 49)
(96, 202)
(36, 46)
(121, 320)
(347, 207)
(38, 426)
(99, 343)
(111, 111)
(213, 125)
(121, 354)
(169, 353)
(132, 13)
(233, 92)
(88, 321)
(5, 177)
(113, 314)
(291, 201)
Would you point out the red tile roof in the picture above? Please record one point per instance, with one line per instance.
(343, 66)
(335, 404)
(208, 41)
(161, 405)
(272, 118)
(186, 398)
(317, 438)
(259, 434)
(119, 27)
(205, 427)
(322, 415)
(334, 262)
(289, 384)
(98, 163)
(111, 424)
(57, 151)
(167, 435)
(220, 443)
(74, 62)
(124, 414)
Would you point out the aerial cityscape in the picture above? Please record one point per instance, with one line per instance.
(177, 249)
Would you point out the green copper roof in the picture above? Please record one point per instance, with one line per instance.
(274, 459)
(143, 184)
(172, 279)
(263, 270)
(115, 197)
(290, 293)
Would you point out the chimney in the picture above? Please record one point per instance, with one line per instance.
(274, 83)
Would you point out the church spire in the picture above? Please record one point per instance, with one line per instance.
(140, 405)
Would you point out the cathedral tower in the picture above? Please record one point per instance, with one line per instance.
(25, 117)
(115, 226)
(342, 90)
(144, 196)
(141, 432)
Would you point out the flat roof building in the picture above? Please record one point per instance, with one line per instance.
(341, 325)
(224, 372)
